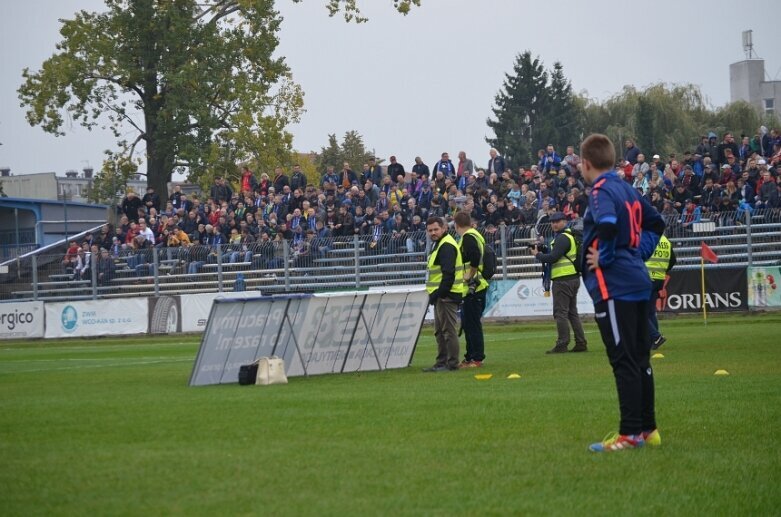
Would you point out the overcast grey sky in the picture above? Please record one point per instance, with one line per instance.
(425, 83)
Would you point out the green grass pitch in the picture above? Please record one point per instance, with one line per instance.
(110, 427)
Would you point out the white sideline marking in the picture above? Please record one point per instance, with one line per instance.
(136, 363)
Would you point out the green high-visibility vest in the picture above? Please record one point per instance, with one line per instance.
(565, 266)
(435, 271)
(482, 282)
(659, 262)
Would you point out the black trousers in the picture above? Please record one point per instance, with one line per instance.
(624, 329)
(472, 312)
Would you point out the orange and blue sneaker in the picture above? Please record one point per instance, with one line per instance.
(652, 437)
(618, 442)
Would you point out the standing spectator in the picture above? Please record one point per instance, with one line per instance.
(631, 152)
(549, 160)
(727, 145)
(566, 283)
(280, 179)
(395, 168)
(298, 179)
(704, 147)
(495, 163)
(248, 181)
(130, 205)
(177, 198)
(446, 289)
(347, 178)
(465, 166)
(375, 172)
(420, 168)
(445, 166)
(151, 200)
(571, 161)
(220, 191)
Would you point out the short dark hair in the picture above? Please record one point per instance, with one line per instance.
(435, 220)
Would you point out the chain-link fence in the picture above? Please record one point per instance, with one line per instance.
(309, 263)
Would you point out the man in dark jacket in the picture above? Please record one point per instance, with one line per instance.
(130, 206)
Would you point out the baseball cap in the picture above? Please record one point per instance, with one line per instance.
(761, 162)
(656, 157)
(557, 216)
(726, 166)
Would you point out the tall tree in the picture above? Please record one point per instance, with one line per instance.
(351, 150)
(518, 110)
(194, 80)
(352, 12)
(562, 110)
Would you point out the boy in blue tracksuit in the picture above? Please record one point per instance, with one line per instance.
(621, 230)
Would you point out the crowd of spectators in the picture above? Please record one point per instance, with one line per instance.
(388, 206)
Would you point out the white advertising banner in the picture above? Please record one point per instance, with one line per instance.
(21, 320)
(513, 298)
(196, 308)
(97, 318)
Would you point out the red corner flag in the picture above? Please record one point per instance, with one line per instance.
(708, 254)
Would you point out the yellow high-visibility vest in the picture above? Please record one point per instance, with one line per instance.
(482, 282)
(659, 262)
(565, 266)
(435, 271)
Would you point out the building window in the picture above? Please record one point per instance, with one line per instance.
(770, 106)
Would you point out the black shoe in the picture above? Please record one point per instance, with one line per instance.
(580, 348)
(557, 350)
(659, 342)
(439, 368)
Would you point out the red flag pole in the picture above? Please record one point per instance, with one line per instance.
(702, 282)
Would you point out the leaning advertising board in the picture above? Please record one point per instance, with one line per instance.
(764, 287)
(97, 318)
(21, 320)
(725, 290)
(314, 334)
(195, 308)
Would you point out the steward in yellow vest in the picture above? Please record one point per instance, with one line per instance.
(566, 283)
(446, 289)
(659, 265)
(473, 252)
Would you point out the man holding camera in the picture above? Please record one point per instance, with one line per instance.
(566, 282)
(446, 288)
(472, 249)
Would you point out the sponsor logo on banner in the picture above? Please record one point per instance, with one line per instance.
(511, 298)
(97, 317)
(764, 287)
(69, 318)
(21, 320)
(725, 290)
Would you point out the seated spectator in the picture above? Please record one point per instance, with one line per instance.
(69, 261)
(106, 268)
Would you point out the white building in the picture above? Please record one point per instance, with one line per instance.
(747, 82)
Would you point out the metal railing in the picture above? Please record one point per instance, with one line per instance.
(309, 264)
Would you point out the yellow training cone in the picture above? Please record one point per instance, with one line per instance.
(721, 372)
(514, 376)
(657, 356)
(483, 376)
